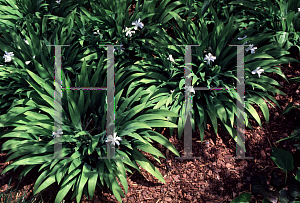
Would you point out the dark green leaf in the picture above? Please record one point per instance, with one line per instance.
(283, 159)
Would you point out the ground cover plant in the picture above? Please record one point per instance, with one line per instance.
(149, 81)
(285, 191)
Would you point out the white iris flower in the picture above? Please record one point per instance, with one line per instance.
(241, 38)
(128, 32)
(251, 48)
(25, 40)
(170, 58)
(258, 71)
(209, 58)
(56, 134)
(8, 56)
(114, 139)
(97, 32)
(122, 49)
(190, 89)
(138, 24)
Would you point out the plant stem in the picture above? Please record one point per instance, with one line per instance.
(285, 177)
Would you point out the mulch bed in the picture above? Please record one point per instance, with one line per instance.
(215, 177)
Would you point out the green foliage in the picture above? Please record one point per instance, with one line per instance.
(143, 100)
(244, 197)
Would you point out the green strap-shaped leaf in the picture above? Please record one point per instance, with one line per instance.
(19, 153)
(252, 111)
(135, 125)
(32, 159)
(64, 191)
(42, 83)
(162, 112)
(164, 141)
(84, 177)
(115, 187)
(127, 160)
(40, 179)
(26, 170)
(74, 113)
(231, 130)
(8, 168)
(181, 122)
(134, 111)
(147, 165)
(294, 136)
(18, 135)
(12, 113)
(46, 98)
(160, 123)
(201, 113)
(46, 183)
(262, 104)
(147, 148)
(120, 166)
(211, 111)
(93, 176)
(255, 85)
(34, 39)
(161, 102)
(36, 116)
(109, 165)
(57, 162)
(251, 57)
(123, 181)
(147, 117)
(75, 163)
(106, 178)
(60, 174)
(81, 103)
(95, 141)
(288, 108)
(101, 172)
(133, 135)
(221, 112)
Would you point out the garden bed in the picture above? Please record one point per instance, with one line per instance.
(214, 177)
